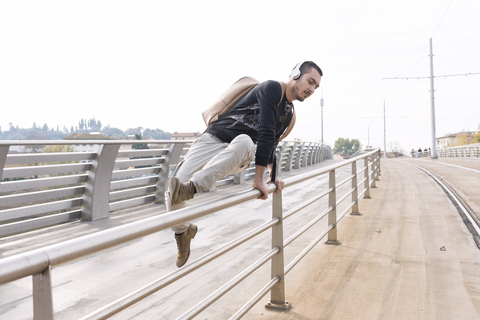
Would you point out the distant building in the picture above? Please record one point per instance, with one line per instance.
(185, 135)
(451, 139)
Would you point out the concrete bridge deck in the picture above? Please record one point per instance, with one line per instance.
(389, 265)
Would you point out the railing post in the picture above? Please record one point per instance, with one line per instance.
(298, 160)
(366, 195)
(332, 215)
(279, 155)
(3, 159)
(374, 168)
(378, 158)
(96, 196)
(239, 178)
(289, 163)
(277, 300)
(377, 168)
(305, 156)
(172, 157)
(310, 154)
(42, 295)
(322, 153)
(355, 211)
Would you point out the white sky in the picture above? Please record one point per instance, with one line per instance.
(158, 64)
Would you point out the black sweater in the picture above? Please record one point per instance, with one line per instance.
(258, 116)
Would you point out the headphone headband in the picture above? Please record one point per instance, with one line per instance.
(296, 73)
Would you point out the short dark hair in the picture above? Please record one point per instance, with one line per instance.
(308, 65)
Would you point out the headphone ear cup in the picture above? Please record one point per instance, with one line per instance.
(296, 73)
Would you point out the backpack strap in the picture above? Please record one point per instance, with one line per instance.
(290, 126)
(292, 122)
(284, 87)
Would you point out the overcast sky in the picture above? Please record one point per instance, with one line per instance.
(158, 64)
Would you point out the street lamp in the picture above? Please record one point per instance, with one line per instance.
(321, 108)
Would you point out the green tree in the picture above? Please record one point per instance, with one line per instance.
(347, 146)
(139, 145)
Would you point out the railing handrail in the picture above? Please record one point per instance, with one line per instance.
(77, 142)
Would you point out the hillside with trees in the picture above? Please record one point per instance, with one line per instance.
(37, 132)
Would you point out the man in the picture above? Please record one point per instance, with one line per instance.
(228, 145)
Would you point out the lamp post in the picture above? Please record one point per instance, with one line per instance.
(321, 108)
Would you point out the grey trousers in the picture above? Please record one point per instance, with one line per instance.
(209, 160)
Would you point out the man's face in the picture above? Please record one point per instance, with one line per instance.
(306, 85)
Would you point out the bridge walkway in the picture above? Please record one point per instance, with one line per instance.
(409, 256)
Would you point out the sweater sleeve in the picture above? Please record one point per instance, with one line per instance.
(268, 97)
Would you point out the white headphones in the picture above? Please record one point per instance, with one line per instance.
(296, 73)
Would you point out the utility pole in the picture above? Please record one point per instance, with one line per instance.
(432, 105)
(432, 97)
(384, 132)
(321, 108)
(384, 129)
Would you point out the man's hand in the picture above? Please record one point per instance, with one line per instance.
(262, 186)
(279, 182)
(259, 184)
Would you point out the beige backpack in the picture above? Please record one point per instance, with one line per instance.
(234, 94)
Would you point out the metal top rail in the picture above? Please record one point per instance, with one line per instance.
(77, 142)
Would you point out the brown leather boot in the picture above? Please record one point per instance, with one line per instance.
(183, 244)
(180, 192)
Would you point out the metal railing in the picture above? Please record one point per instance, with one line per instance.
(469, 150)
(44, 189)
(38, 263)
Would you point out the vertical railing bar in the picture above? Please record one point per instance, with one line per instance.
(95, 203)
(277, 300)
(366, 177)
(3, 159)
(355, 191)
(172, 157)
(332, 215)
(42, 295)
(374, 171)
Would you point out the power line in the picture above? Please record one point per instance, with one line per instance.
(442, 76)
(441, 20)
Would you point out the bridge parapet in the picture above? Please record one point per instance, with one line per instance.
(468, 151)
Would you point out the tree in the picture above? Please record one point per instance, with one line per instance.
(140, 145)
(34, 148)
(476, 135)
(347, 146)
(464, 138)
